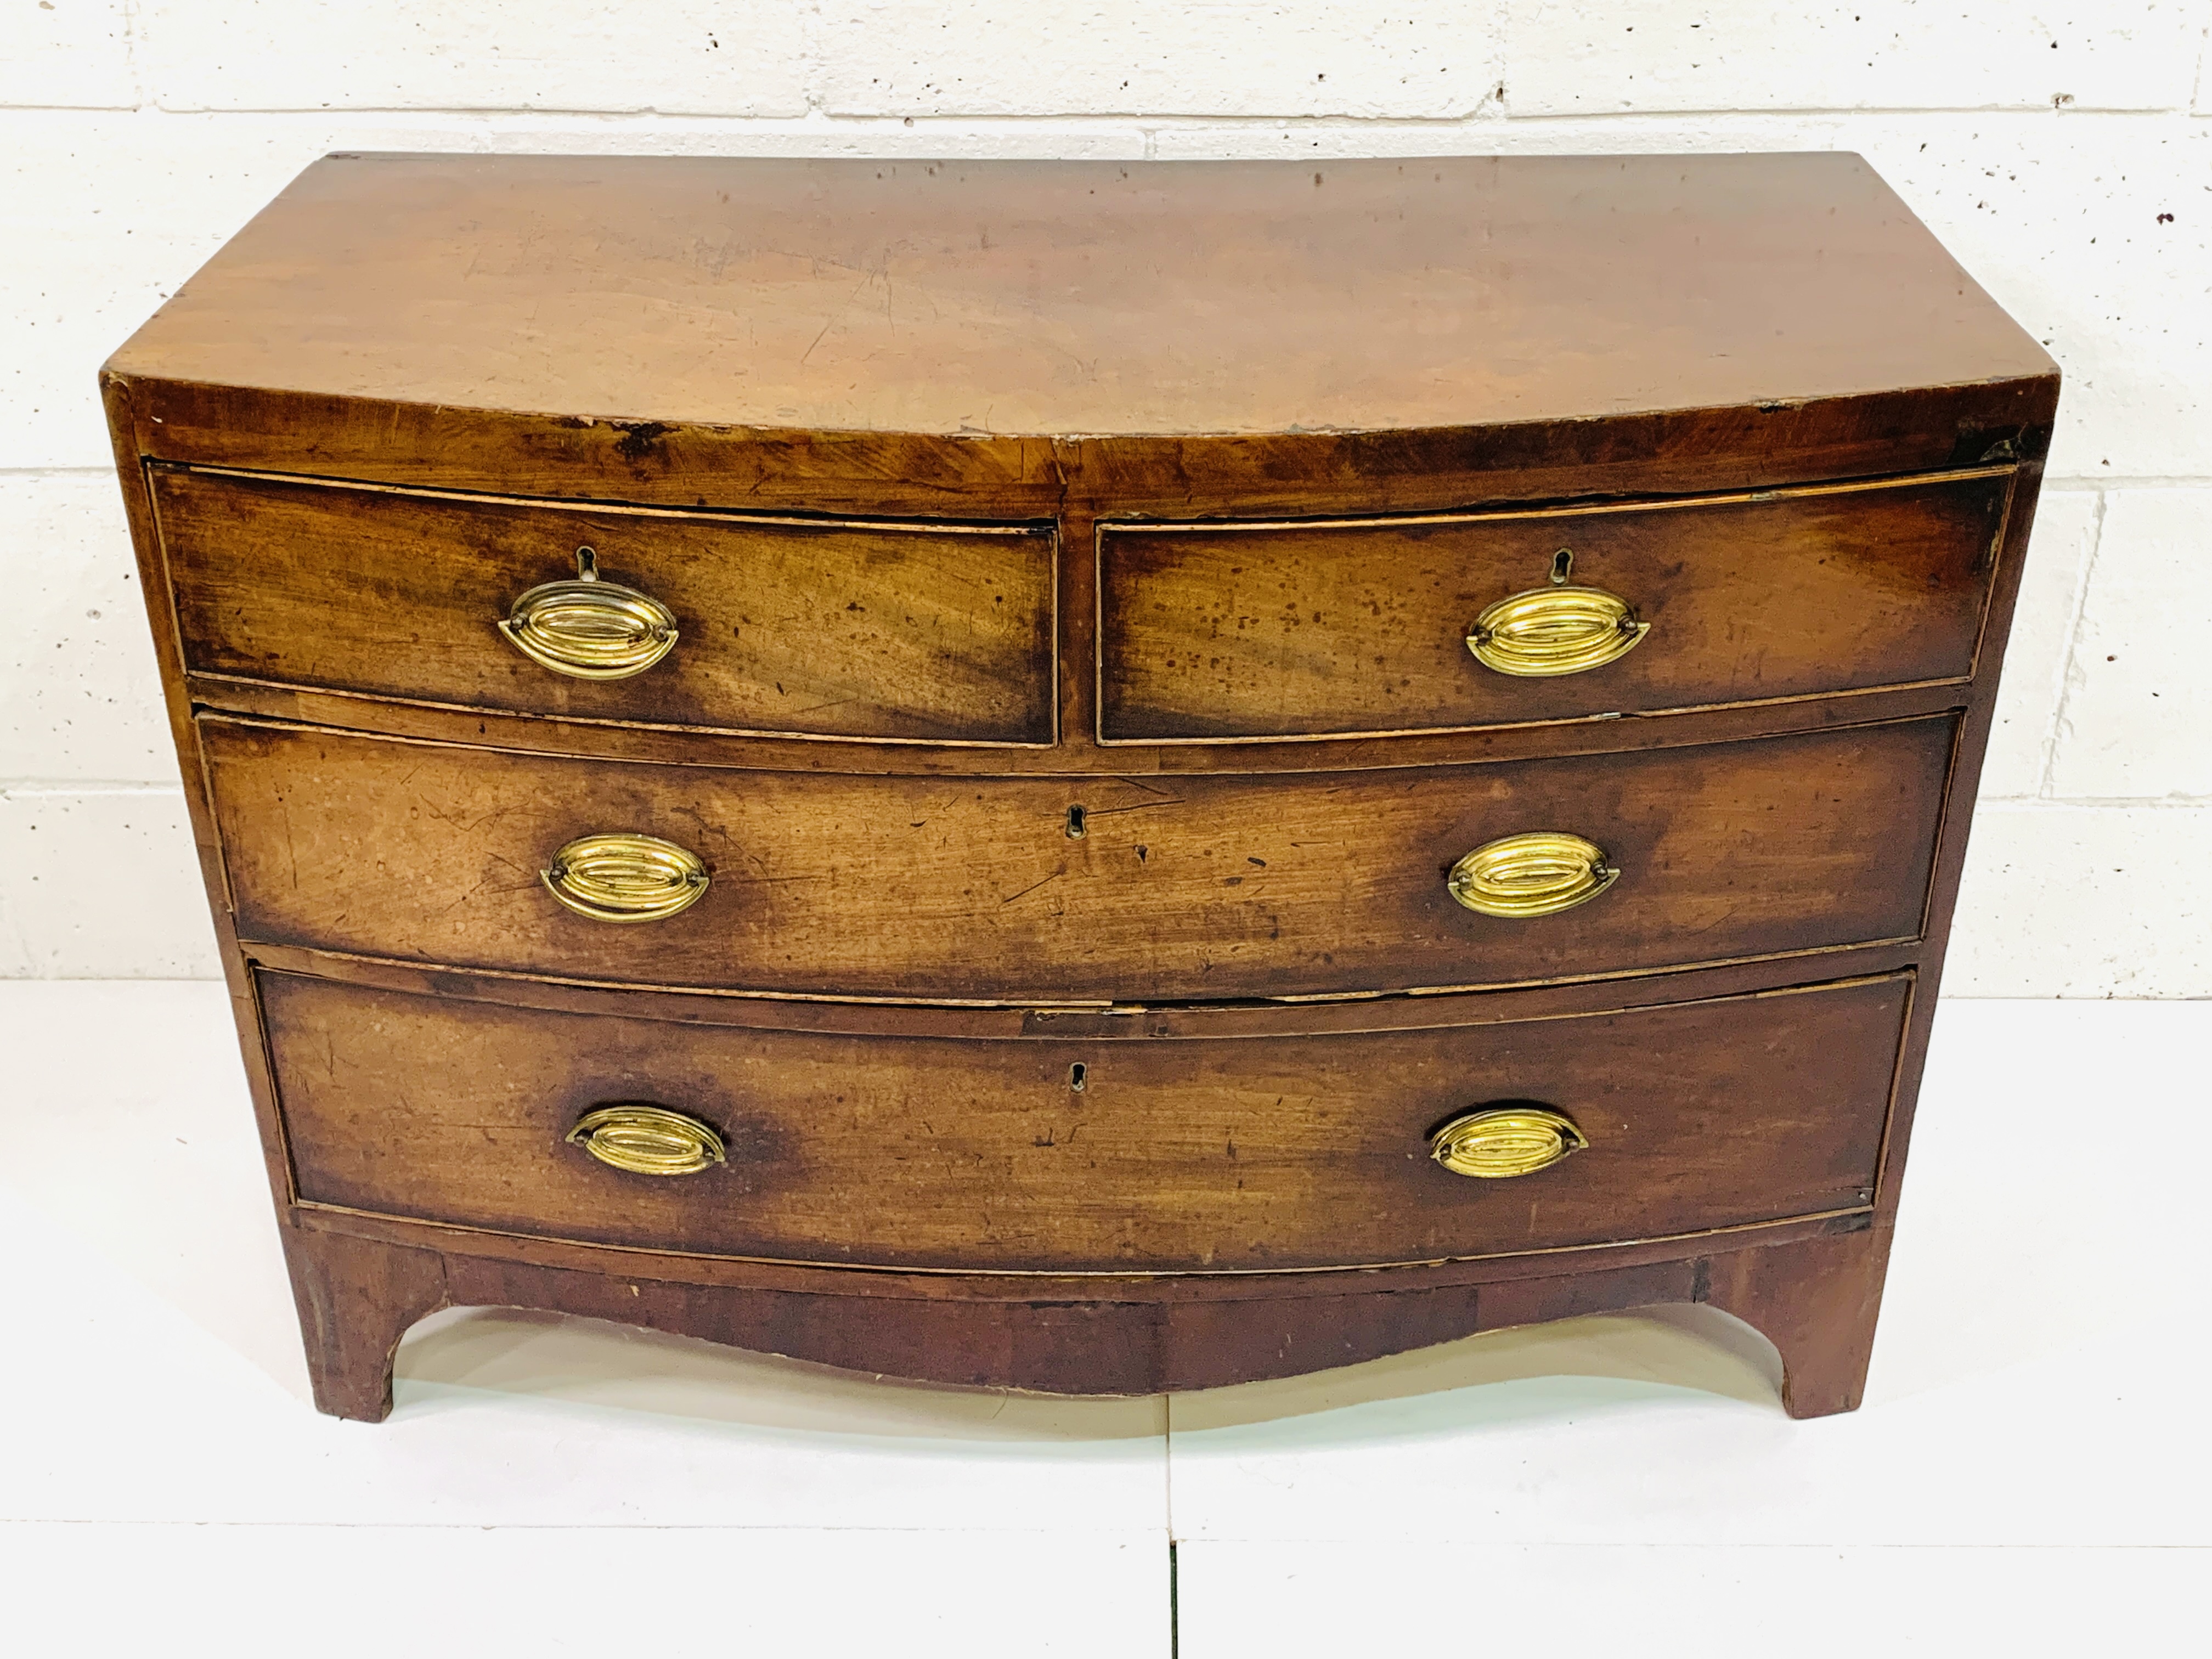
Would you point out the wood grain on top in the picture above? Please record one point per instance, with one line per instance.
(1084, 298)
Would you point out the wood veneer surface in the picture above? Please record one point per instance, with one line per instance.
(1308, 629)
(1179, 1155)
(932, 889)
(1084, 298)
(907, 632)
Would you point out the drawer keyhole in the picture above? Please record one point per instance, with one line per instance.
(1076, 828)
(1078, 1077)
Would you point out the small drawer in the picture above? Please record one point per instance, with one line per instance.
(1174, 1154)
(727, 623)
(1061, 889)
(1223, 631)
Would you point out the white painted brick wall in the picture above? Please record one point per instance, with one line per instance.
(2064, 153)
(2136, 723)
(674, 57)
(1611, 56)
(1424, 60)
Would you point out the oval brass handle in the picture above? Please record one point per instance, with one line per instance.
(590, 628)
(1563, 628)
(648, 1140)
(625, 877)
(1537, 874)
(1511, 1140)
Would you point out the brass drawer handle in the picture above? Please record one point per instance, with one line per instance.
(1513, 1140)
(647, 1140)
(1563, 628)
(625, 877)
(1537, 874)
(590, 628)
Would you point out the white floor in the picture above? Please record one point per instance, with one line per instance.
(2029, 1473)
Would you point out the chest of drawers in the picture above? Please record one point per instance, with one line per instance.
(1083, 777)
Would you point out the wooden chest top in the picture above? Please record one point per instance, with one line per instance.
(1092, 299)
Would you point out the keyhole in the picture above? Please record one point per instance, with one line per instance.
(1563, 565)
(1076, 830)
(1078, 1077)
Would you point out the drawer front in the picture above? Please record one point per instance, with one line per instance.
(1286, 630)
(1177, 1154)
(1190, 887)
(852, 631)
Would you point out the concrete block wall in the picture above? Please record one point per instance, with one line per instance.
(2064, 152)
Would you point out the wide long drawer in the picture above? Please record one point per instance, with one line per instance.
(1180, 1154)
(899, 631)
(1220, 631)
(1074, 889)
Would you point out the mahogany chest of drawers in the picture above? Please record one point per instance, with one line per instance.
(1083, 777)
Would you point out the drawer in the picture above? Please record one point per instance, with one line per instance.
(1223, 631)
(896, 632)
(923, 887)
(1175, 1155)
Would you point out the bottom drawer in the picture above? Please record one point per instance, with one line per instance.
(1174, 1154)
